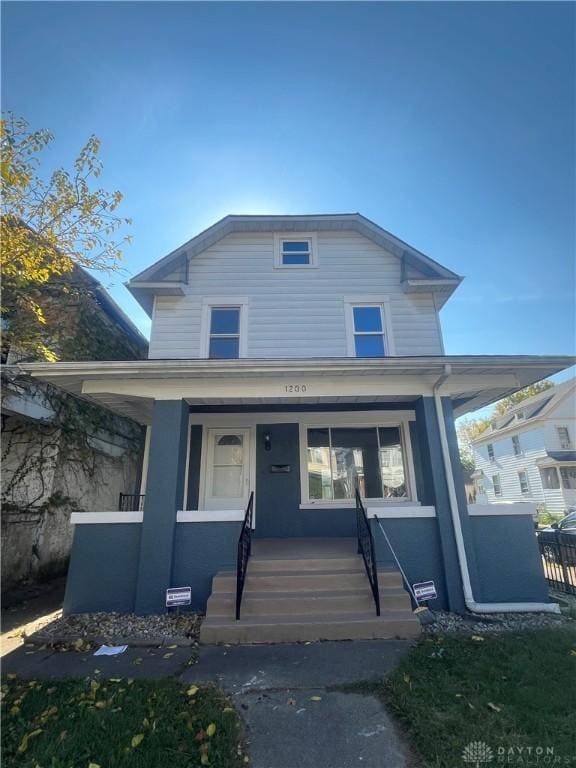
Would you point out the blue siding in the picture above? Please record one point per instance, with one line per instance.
(103, 568)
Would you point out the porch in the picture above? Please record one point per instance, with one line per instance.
(300, 435)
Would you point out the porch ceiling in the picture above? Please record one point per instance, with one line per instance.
(129, 388)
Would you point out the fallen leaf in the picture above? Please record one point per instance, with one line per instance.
(171, 646)
(115, 679)
(211, 730)
(11, 675)
(136, 740)
(193, 690)
(14, 711)
(291, 702)
(315, 698)
(24, 743)
(227, 709)
(93, 765)
(101, 705)
(137, 661)
(494, 707)
(167, 655)
(477, 638)
(204, 759)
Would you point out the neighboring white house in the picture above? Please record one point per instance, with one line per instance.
(529, 453)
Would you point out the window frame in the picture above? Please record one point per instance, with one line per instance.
(516, 447)
(567, 468)
(281, 237)
(227, 302)
(490, 451)
(562, 428)
(524, 491)
(381, 302)
(331, 421)
(545, 483)
(498, 492)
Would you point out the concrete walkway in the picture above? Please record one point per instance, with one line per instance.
(285, 694)
(28, 610)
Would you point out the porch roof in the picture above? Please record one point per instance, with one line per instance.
(130, 387)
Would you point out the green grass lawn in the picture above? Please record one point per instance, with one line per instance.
(117, 724)
(508, 690)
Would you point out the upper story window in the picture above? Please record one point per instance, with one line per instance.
(224, 333)
(490, 449)
(223, 329)
(564, 437)
(368, 328)
(295, 250)
(516, 445)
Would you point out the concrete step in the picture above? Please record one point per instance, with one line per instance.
(308, 602)
(273, 581)
(326, 562)
(292, 629)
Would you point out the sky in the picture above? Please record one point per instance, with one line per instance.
(451, 125)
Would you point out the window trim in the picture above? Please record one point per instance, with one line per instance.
(550, 468)
(373, 300)
(518, 452)
(331, 420)
(279, 237)
(226, 302)
(526, 492)
(490, 450)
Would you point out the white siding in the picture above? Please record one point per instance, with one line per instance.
(507, 465)
(294, 312)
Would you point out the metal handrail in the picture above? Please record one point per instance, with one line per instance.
(244, 552)
(131, 502)
(366, 549)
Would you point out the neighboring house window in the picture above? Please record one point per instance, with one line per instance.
(568, 475)
(490, 449)
(497, 485)
(524, 485)
(550, 479)
(338, 458)
(564, 437)
(516, 445)
(295, 250)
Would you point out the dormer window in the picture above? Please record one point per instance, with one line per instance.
(295, 251)
(564, 438)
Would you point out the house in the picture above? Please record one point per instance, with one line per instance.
(292, 360)
(59, 453)
(529, 452)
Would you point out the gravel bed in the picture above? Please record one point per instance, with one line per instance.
(495, 622)
(115, 626)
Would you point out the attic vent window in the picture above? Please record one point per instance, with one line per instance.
(295, 251)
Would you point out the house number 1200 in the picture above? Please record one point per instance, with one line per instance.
(295, 387)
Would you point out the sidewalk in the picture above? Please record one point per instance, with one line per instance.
(285, 694)
(29, 609)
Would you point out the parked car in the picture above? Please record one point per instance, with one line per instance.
(550, 542)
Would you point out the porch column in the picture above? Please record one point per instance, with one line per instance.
(164, 496)
(437, 494)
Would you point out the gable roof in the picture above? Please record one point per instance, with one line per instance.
(419, 272)
(534, 408)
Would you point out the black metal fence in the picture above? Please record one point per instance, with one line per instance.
(131, 502)
(244, 552)
(558, 552)
(366, 549)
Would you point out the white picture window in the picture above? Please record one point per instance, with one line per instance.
(295, 251)
(524, 484)
(564, 438)
(497, 485)
(339, 458)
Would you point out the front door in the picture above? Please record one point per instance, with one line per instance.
(227, 469)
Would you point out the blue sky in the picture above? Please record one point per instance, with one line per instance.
(450, 124)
